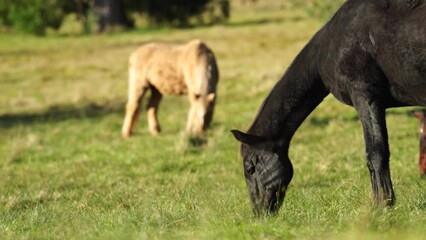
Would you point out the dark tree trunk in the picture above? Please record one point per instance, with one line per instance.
(111, 13)
(82, 8)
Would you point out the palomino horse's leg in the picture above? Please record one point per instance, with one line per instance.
(136, 93)
(422, 154)
(372, 117)
(152, 107)
(211, 98)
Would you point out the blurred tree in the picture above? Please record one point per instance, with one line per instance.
(32, 16)
(3, 13)
(180, 12)
(175, 12)
(111, 14)
(35, 16)
(82, 8)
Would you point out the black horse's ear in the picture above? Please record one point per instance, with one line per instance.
(246, 138)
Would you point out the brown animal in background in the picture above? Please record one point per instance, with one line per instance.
(422, 155)
(188, 69)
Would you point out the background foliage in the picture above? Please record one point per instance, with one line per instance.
(179, 12)
(35, 16)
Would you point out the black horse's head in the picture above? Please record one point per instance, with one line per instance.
(267, 170)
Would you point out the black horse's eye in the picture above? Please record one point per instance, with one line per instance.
(251, 170)
(250, 164)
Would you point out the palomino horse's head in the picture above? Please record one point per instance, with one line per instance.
(201, 113)
(267, 170)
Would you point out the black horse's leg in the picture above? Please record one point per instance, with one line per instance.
(372, 116)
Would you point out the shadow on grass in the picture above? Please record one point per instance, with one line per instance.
(324, 121)
(190, 144)
(195, 141)
(59, 113)
(254, 22)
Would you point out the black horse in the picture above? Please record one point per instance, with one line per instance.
(371, 55)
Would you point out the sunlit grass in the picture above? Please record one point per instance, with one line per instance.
(67, 174)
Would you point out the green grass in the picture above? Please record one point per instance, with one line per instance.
(67, 174)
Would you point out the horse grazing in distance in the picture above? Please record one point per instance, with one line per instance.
(422, 155)
(372, 56)
(189, 69)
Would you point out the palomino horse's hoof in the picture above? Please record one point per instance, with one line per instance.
(126, 135)
(155, 131)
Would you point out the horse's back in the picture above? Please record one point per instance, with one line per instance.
(156, 65)
(172, 69)
(401, 52)
(383, 43)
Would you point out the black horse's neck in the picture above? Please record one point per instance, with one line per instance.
(292, 99)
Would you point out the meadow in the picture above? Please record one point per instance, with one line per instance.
(67, 174)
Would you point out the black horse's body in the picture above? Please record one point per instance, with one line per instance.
(371, 55)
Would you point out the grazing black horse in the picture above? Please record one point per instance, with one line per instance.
(371, 55)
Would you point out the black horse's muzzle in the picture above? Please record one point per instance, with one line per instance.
(265, 200)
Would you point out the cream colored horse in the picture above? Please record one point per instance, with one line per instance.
(188, 69)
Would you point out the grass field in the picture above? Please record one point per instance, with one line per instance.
(67, 174)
